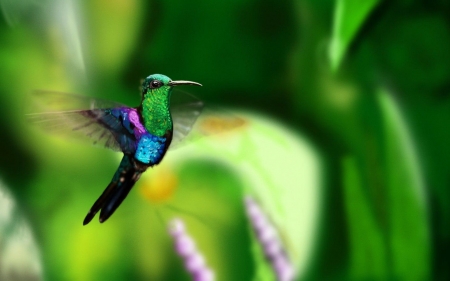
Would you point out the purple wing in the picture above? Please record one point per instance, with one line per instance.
(102, 122)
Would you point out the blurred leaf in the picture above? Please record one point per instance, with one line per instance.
(15, 11)
(19, 254)
(398, 248)
(412, 53)
(409, 242)
(349, 16)
(368, 254)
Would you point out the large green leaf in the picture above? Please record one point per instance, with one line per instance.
(368, 254)
(394, 246)
(408, 239)
(349, 16)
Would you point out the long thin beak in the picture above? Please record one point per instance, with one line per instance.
(183, 82)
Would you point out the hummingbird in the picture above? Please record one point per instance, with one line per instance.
(143, 133)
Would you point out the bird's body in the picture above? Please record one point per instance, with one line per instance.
(141, 150)
(142, 133)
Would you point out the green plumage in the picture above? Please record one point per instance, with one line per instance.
(155, 111)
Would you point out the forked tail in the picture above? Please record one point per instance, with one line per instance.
(124, 179)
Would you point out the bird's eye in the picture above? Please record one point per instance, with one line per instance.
(155, 84)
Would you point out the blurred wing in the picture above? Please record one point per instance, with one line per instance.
(191, 120)
(215, 121)
(81, 117)
(42, 101)
(15, 10)
(185, 109)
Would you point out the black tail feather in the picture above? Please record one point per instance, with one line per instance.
(99, 203)
(119, 194)
(114, 194)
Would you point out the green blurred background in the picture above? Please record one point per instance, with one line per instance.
(364, 86)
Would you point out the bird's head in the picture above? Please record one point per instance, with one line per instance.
(161, 85)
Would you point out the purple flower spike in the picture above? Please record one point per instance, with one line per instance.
(195, 262)
(267, 234)
(260, 222)
(176, 228)
(273, 249)
(283, 269)
(185, 247)
(253, 210)
(270, 241)
(205, 275)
